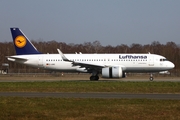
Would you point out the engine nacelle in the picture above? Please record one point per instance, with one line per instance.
(113, 72)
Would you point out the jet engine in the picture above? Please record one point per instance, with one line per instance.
(113, 72)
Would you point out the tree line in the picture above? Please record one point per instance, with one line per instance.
(170, 50)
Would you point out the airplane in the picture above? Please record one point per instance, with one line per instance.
(108, 65)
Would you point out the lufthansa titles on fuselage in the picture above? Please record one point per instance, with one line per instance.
(132, 57)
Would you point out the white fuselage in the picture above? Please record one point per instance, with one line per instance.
(128, 62)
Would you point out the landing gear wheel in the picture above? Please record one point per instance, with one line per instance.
(94, 78)
(151, 78)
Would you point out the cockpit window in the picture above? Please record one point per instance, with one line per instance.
(163, 59)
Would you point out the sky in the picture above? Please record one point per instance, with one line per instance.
(111, 22)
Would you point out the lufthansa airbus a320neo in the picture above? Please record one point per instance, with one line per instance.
(109, 65)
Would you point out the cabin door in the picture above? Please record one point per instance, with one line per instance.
(151, 60)
(40, 61)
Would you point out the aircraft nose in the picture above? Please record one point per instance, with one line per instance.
(171, 65)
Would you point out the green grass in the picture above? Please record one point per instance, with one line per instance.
(22, 108)
(17, 108)
(88, 86)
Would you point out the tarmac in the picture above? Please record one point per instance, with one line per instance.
(80, 77)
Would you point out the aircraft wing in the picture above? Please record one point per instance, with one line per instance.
(88, 66)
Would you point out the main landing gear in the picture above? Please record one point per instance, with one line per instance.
(151, 77)
(94, 76)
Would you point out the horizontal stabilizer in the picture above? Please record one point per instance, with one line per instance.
(16, 58)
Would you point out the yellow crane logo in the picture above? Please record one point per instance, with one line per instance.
(20, 41)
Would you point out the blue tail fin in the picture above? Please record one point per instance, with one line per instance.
(22, 44)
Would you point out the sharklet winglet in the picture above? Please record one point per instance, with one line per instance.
(63, 56)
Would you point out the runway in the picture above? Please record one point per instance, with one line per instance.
(103, 80)
(81, 77)
(92, 95)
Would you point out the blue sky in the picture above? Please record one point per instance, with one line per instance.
(112, 22)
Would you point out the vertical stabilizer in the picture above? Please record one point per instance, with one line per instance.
(22, 44)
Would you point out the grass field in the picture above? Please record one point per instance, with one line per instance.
(88, 86)
(23, 108)
(16, 108)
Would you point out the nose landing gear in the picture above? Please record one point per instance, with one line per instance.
(151, 77)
